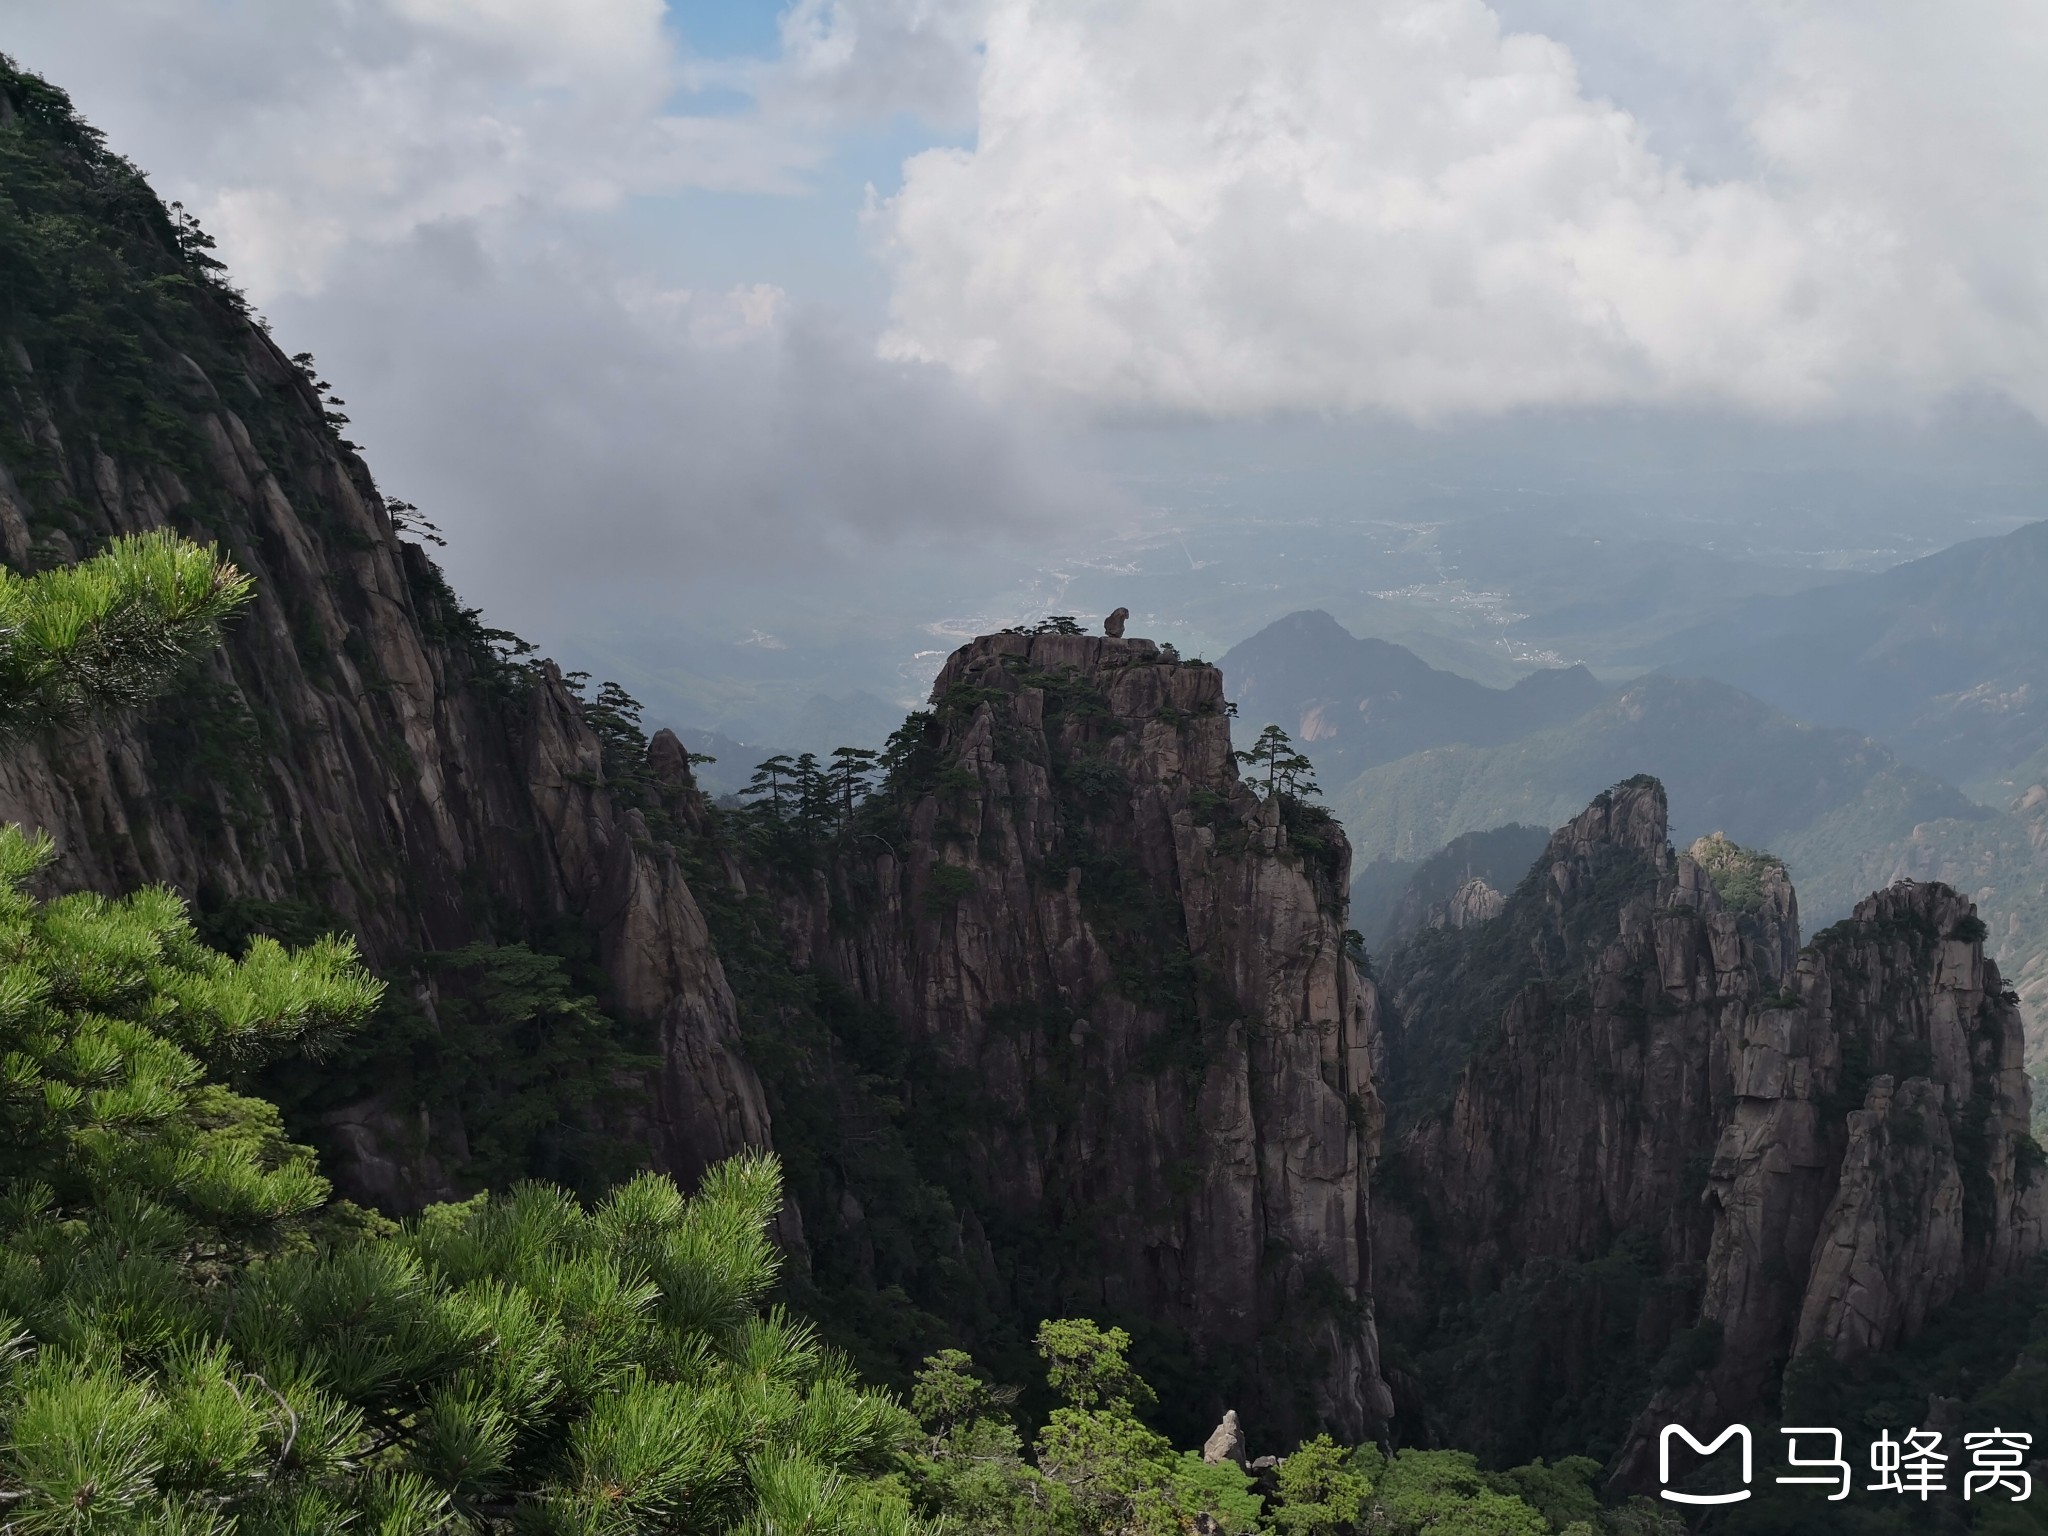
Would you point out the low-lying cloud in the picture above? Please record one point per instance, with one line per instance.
(592, 434)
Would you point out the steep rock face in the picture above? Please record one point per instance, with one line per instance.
(1141, 967)
(1598, 1081)
(357, 747)
(1748, 1159)
(1876, 1162)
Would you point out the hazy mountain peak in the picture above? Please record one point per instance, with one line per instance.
(1354, 701)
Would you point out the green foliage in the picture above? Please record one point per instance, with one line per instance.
(1086, 1366)
(200, 1342)
(1321, 1491)
(1443, 1493)
(1277, 767)
(507, 1046)
(951, 1394)
(972, 1466)
(1562, 1492)
(1738, 874)
(795, 808)
(108, 632)
(945, 887)
(110, 1013)
(1051, 624)
(1098, 1469)
(1117, 1474)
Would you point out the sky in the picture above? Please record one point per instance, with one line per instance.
(654, 304)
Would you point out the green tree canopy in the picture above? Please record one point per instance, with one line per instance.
(201, 1341)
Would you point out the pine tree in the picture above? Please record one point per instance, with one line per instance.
(852, 779)
(202, 1341)
(773, 786)
(1285, 770)
(195, 1338)
(812, 794)
(108, 632)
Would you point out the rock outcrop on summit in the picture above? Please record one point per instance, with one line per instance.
(1143, 968)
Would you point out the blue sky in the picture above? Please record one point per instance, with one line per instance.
(728, 28)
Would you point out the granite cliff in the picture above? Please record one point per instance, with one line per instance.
(1065, 1018)
(1142, 967)
(1139, 966)
(1650, 1148)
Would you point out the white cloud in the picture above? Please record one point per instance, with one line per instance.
(295, 131)
(1220, 207)
(422, 193)
(877, 58)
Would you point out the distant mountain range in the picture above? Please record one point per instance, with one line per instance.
(1355, 703)
(1412, 758)
(1944, 658)
(1731, 763)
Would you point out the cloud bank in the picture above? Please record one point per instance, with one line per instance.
(1214, 207)
(434, 195)
(606, 435)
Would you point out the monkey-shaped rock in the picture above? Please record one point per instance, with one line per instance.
(1113, 626)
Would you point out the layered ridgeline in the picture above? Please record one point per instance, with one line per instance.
(1941, 656)
(1357, 702)
(1928, 658)
(1643, 1146)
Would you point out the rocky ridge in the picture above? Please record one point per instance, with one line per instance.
(1745, 1149)
(1142, 966)
(1624, 1100)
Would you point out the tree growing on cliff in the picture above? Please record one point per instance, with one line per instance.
(1277, 767)
(851, 777)
(774, 787)
(195, 1339)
